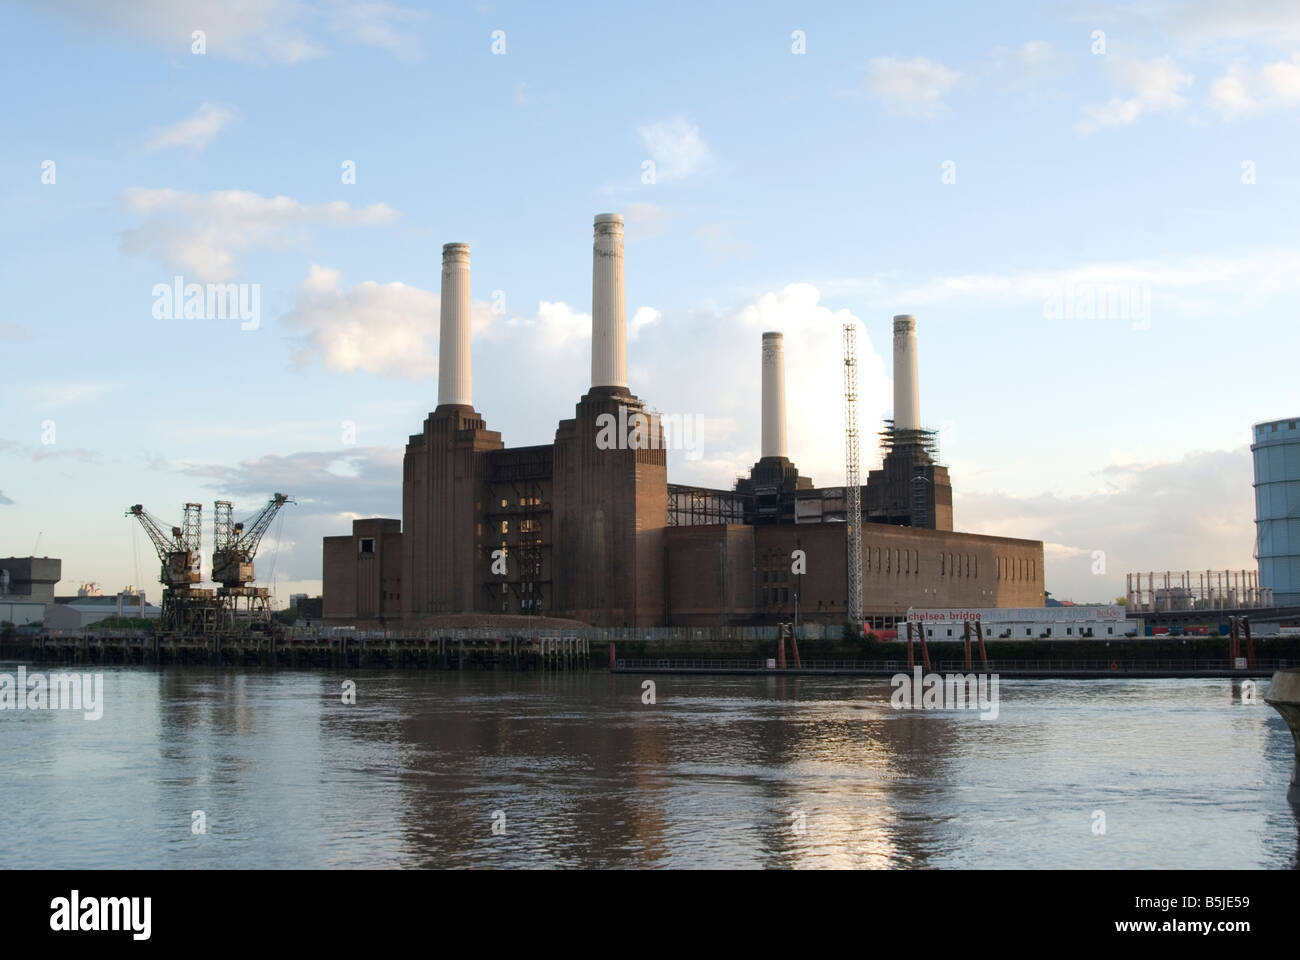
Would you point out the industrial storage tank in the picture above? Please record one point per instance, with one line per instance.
(1276, 452)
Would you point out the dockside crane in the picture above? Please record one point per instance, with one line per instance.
(233, 549)
(184, 607)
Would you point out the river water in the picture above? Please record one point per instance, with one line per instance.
(575, 770)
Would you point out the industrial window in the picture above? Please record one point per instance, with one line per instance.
(505, 526)
(1028, 632)
(950, 631)
(504, 502)
(478, 529)
(1069, 631)
(1110, 630)
(367, 544)
(529, 526)
(943, 564)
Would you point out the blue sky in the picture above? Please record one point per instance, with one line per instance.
(971, 166)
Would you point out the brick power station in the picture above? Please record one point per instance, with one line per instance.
(590, 530)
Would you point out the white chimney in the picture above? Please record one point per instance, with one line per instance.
(453, 339)
(907, 395)
(773, 396)
(608, 310)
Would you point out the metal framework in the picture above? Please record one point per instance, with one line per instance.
(519, 496)
(697, 506)
(180, 550)
(1183, 590)
(891, 437)
(234, 545)
(852, 477)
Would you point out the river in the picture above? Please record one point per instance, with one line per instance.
(474, 769)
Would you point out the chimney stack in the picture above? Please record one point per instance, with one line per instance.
(453, 339)
(608, 310)
(773, 396)
(907, 396)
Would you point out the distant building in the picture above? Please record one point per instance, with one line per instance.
(73, 614)
(295, 599)
(29, 578)
(1276, 451)
(20, 612)
(1072, 622)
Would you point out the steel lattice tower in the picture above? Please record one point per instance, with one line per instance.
(852, 478)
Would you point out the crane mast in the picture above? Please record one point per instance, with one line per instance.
(852, 478)
(180, 550)
(233, 548)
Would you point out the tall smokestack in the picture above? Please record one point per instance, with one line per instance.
(773, 395)
(907, 391)
(608, 311)
(453, 338)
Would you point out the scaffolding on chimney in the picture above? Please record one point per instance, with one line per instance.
(852, 477)
(891, 437)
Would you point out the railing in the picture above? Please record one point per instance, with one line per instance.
(956, 666)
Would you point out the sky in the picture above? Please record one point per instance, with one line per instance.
(1089, 208)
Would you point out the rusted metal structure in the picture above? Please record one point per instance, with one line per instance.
(233, 548)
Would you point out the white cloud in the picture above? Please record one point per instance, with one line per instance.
(1273, 86)
(555, 325)
(51, 395)
(1245, 278)
(644, 317)
(1029, 65)
(385, 26)
(1230, 94)
(720, 240)
(196, 130)
(676, 148)
(386, 329)
(1153, 86)
(727, 394)
(915, 87)
(391, 329)
(1193, 25)
(200, 234)
(1150, 516)
(283, 31)
(1282, 80)
(645, 220)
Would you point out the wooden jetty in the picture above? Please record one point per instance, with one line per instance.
(393, 650)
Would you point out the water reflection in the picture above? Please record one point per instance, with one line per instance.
(448, 769)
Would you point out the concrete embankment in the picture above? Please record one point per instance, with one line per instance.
(1284, 697)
